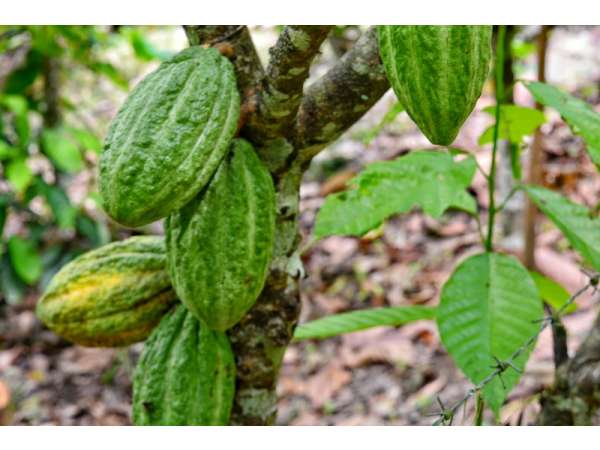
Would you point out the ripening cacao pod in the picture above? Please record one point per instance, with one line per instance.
(437, 73)
(112, 296)
(185, 375)
(220, 244)
(169, 137)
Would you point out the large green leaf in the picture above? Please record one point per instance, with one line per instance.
(575, 221)
(360, 320)
(487, 310)
(25, 259)
(516, 122)
(432, 180)
(552, 293)
(580, 116)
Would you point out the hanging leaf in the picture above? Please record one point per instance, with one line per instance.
(432, 180)
(552, 293)
(516, 122)
(19, 175)
(25, 259)
(575, 221)
(487, 310)
(61, 149)
(580, 116)
(360, 320)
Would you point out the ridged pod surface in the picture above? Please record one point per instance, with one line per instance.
(220, 244)
(437, 73)
(169, 137)
(112, 296)
(185, 375)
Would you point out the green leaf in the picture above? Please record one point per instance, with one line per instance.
(64, 213)
(516, 122)
(360, 320)
(430, 179)
(19, 174)
(552, 293)
(17, 104)
(25, 259)
(3, 215)
(575, 221)
(143, 48)
(7, 152)
(87, 140)
(110, 72)
(61, 149)
(487, 310)
(11, 286)
(580, 116)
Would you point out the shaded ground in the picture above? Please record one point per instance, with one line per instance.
(379, 376)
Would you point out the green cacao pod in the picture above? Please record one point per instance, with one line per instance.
(437, 73)
(112, 296)
(185, 375)
(220, 244)
(169, 137)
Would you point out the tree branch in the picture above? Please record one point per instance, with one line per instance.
(280, 92)
(235, 42)
(339, 98)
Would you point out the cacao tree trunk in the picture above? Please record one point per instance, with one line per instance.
(288, 126)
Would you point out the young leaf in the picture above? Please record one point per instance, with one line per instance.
(487, 310)
(25, 259)
(19, 174)
(430, 179)
(516, 122)
(360, 320)
(552, 293)
(575, 221)
(62, 150)
(580, 116)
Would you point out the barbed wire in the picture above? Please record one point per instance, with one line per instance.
(446, 415)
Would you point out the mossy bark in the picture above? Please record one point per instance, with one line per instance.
(287, 126)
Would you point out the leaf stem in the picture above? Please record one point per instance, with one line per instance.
(489, 246)
(479, 406)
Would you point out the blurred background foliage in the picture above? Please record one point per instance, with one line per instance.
(54, 81)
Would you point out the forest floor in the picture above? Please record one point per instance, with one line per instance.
(375, 377)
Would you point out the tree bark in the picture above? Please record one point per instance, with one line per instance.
(575, 396)
(280, 92)
(339, 98)
(329, 107)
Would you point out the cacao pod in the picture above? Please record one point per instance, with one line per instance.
(220, 244)
(169, 137)
(185, 375)
(112, 296)
(437, 73)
